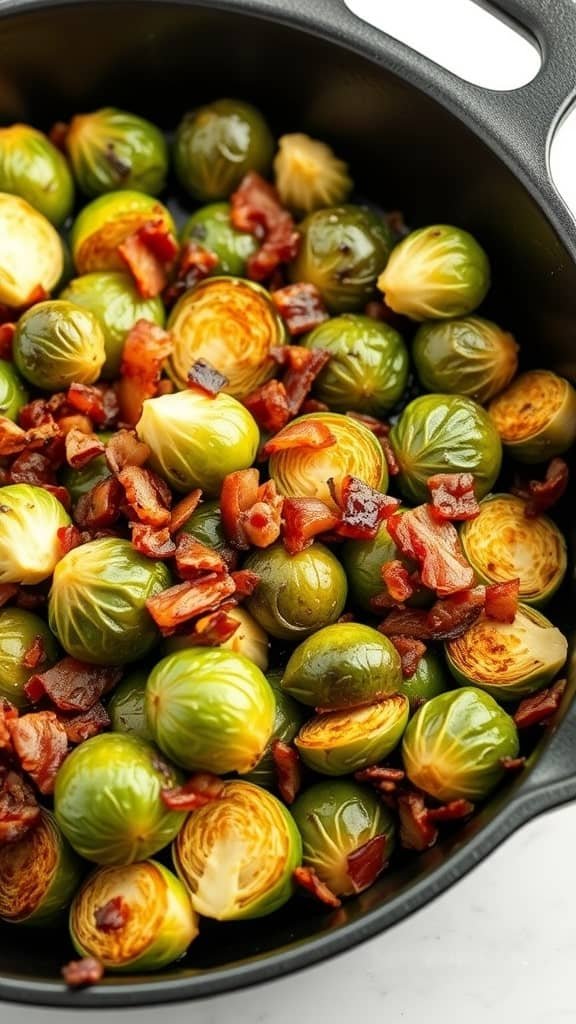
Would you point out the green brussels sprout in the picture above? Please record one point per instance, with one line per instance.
(454, 745)
(343, 666)
(288, 718)
(341, 742)
(114, 300)
(428, 681)
(237, 855)
(211, 227)
(363, 561)
(249, 639)
(30, 518)
(210, 710)
(468, 356)
(40, 874)
(196, 439)
(158, 926)
(126, 706)
(205, 524)
(97, 604)
(336, 819)
(342, 251)
(308, 174)
(503, 543)
(31, 252)
(57, 344)
(508, 660)
(13, 394)
(297, 594)
(107, 799)
(368, 368)
(18, 631)
(434, 273)
(445, 434)
(305, 472)
(536, 416)
(233, 324)
(32, 168)
(110, 149)
(106, 222)
(216, 145)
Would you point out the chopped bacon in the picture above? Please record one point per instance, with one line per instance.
(69, 537)
(312, 405)
(101, 507)
(35, 655)
(148, 253)
(99, 404)
(8, 714)
(245, 582)
(390, 456)
(13, 439)
(79, 973)
(363, 508)
(185, 601)
(540, 707)
(19, 809)
(512, 764)
(32, 468)
(32, 598)
(184, 509)
(306, 434)
(385, 780)
(41, 744)
(147, 494)
(214, 629)
(7, 592)
(435, 547)
(307, 879)
(261, 523)
(251, 512)
(82, 448)
(366, 862)
(58, 135)
(417, 831)
(206, 377)
(288, 773)
(375, 426)
(7, 331)
(453, 497)
(454, 810)
(124, 449)
(62, 494)
(72, 685)
(298, 380)
(398, 580)
(112, 916)
(255, 207)
(301, 306)
(199, 790)
(502, 600)
(145, 349)
(540, 495)
(195, 263)
(193, 558)
(410, 651)
(76, 421)
(451, 617)
(39, 411)
(303, 519)
(152, 541)
(269, 406)
(82, 726)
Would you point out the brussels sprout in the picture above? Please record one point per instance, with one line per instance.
(159, 922)
(368, 368)
(113, 298)
(216, 145)
(288, 718)
(308, 174)
(111, 149)
(126, 706)
(502, 543)
(30, 518)
(196, 440)
(81, 481)
(454, 745)
(536, 416)
(205, 524)
(508, 660)
(445, 434)
(249, 639)
(305, 472)
(97, 604)
(31, 253)
(32, 168)
(237, 855)
(40, 874)
(342, 251)
(336, 818)
(234, 325)
(428, 681)
(210, 710)
(363, 561)
(343, 666)
(471, 356)
(341, 742)
(297, 594)
(18, 630)
(107, 799)
(106, 222)
(212, 228)
(13, 394)
(57, 344)
(436, 272)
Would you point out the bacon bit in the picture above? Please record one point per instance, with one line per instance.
(398, 580)
(214, 629)
(307, 434)
(77, 421)
(389, 455)
(453, 497)
(32, 598)
(313, 405)
(301, 306)
(41, 744)
(410, 651)
(298, 380)
(541, 495)
(251, 513)
(435, 547)
(201, 789)
(7, 592)
(304, 519)
(100, 508)
(19, 809)
(72, 685)
(124, 449)
(502, 600)
(375, 426)
(82, 448)
(245, 582)
(37, 412)
(32, 468)
(58, 135)
(80, 973)
(363, 508)
(512, 764)
(385, 780)
(61, 494)
(13, 439)
(540, 707)
(8, 714)
(417, 832)
(307, 879)
(206, 377)
(146, 348)
(454, 810)
(288, 770)
(367, 862)
(269, 406)
(7, 331)
(35, 655)
(69, 537)
(193, 558)
(112, 916)
(148, 253)
(451, 617)
(152, 541)
(85, 724)
(147, 494)
(185, 601)
(256, 207)
(195, 263)
(99, 404)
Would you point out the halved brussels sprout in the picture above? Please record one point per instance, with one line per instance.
(40, 874)
(502, 544)
(126, 706)
(428, 681)
(31, 253)
(13, 394)
(106, 222)
(31, 167)
(454, 745)
(196, 440)
(368, 368)
(436, 272)
(536, 416)
(342, 251)
(234, 325)
(30, 518)
(341, 742)
(445, 434)
(216, 145)
(107, 799)
(211, 227)
(97, 604)
(18, 631)
(297, 594)
(508, 660)
(156, 928)
(308, 174)
(205, 524)
(336, 818)
(305, 472)
(363, 561)
(343, 666)
(112, 149)
(288, 718)
(57, 344)
(237, 855)
(249, 639)
(468, 356)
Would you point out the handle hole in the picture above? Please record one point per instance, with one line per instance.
(561, 157)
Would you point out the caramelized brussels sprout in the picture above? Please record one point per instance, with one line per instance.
(205, 524)
(18, 631)
(288, 718)
(40, 874)
(536, 416)
(341, 742)
(309, 175)
(468, 356)
(32, 168)
(110, 149)
(126, 706)
(211, 227)
(57, 344)
(106, 222)
(249, 639)
(30, 518)
(363, 561)
(428, 681)
(13, 394)
(31, 253)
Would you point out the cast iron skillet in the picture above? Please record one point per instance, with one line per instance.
(420, 139)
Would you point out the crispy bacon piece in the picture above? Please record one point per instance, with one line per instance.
(454, 810)
(397, 579)
(76, 421)
(58, 135)
(206, 377)
(85, 724)
(41, 410)
(124, 449)
(184, 509)
(377, 427)
(195, 263)
(185, 601)
(385, 780)
(112, 916)
(269, 406)
(81, 448)
(389, 455)
(148, 253)
(199, 790)
(502, 600)
(451, 617)
(367, 862)
(72, 685)
(363, 508)
(453, 497)
(7, 331)
(256, 207)
(13, 439)
(298, 379)
(80, 973)
(512, 764)
(35, 655)
(152, 541)
(19, 809)
(61, 493)
(313, 405)
(261, 523)
(214, 629)
(40, 744)
(193, 559)
(307, 434)
(435, 547)
(145, 349)
(32, 468)
(410, 651)
(417, 831)
(541, 495)
(537, 709)
(100, 508)
(8, 714)
(307, 879)
(245, 582)
(69, 537)
(98, 403)
(251, 512)
(303, 519)
(147, 494)
(288, 772)
(301, 306)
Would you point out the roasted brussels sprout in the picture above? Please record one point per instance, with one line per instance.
(30, 518)
(536, 416)
(297, 594)
(13, 394)
(110, 149)
(363, 561)
(32, 168)
(57, 344)
(288, 718)
(342, 251)
(336, 819)
(205, 524)
(97, 604)
(368, 368)
(106, 222)
(468, 356)
(196, 440)
(434, 273)
(445, 434)
(40, 874)
(341, 742)
(18, 631)
(216, 145)
(126, 706)
(428, 681)
(107, 799)
(211, 227)
(454, 745)
(31, 253)
(249, 639)
(237, 855)
(343, 666)
(308, 174)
